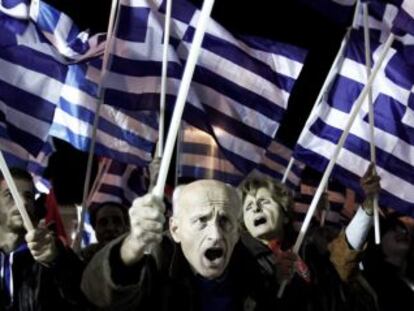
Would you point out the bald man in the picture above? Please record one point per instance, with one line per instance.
(200, 265)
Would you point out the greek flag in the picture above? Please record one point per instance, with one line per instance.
(393, 100)
(128, 136)
(200, 157)
(48, 85)
(119, 182)
(16, 156)
(337, 213)
(30, 81)
(240, 87)
(56, 28)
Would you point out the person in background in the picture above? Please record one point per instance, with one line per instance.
(385, 265)
(36, 267)
(109, 220)
(326, 270)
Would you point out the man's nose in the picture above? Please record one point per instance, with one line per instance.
(214, 232)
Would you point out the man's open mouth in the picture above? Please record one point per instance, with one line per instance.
(260, 221)
(214, 253)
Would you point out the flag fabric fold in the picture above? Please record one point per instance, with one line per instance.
(120, 183)
(394, 137)
(240, 87)
(200, 157)
(46, 91)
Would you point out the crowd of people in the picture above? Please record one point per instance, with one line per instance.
(220, 248)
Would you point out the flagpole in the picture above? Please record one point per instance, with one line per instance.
(339, 145)
(371, 118)
(167, 27)
(202, 23)
(288, 169)
(331, 74)
(108, 46)
(178, 154)
(98, 179)
(15, 193)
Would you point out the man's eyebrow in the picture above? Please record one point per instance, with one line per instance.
(200, 214)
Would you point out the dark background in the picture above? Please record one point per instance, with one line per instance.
(288, 21)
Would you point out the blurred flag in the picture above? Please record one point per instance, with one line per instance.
(200, 157)
(119, 182)
(115, 182)
(275, 162)
(240, 87)
(16, 156)
(337, 213)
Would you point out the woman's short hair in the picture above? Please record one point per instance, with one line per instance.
(279, 192)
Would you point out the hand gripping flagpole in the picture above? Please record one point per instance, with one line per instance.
(167, 27)
(15, 193)
(327, 82)
(332, 161)
(371, 118)
(112, 19)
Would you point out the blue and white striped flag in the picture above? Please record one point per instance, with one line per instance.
(30, 81)
(338, 213)
(16, 156)
(240, 87)
(119, 182)
(403, 24)
(43, 81)
(18, 9)
(55, 27)
(200, 157)
(386, 18)
(394, 125)
(127, 136)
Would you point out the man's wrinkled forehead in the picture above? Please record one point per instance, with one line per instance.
(206, 193)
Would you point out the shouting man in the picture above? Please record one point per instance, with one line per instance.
(202, 266)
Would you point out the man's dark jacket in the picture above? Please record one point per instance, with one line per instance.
(41, 288)
(167, 283)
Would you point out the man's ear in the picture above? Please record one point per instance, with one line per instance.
(174, 229)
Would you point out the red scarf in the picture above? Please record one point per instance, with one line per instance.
(301, 267)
